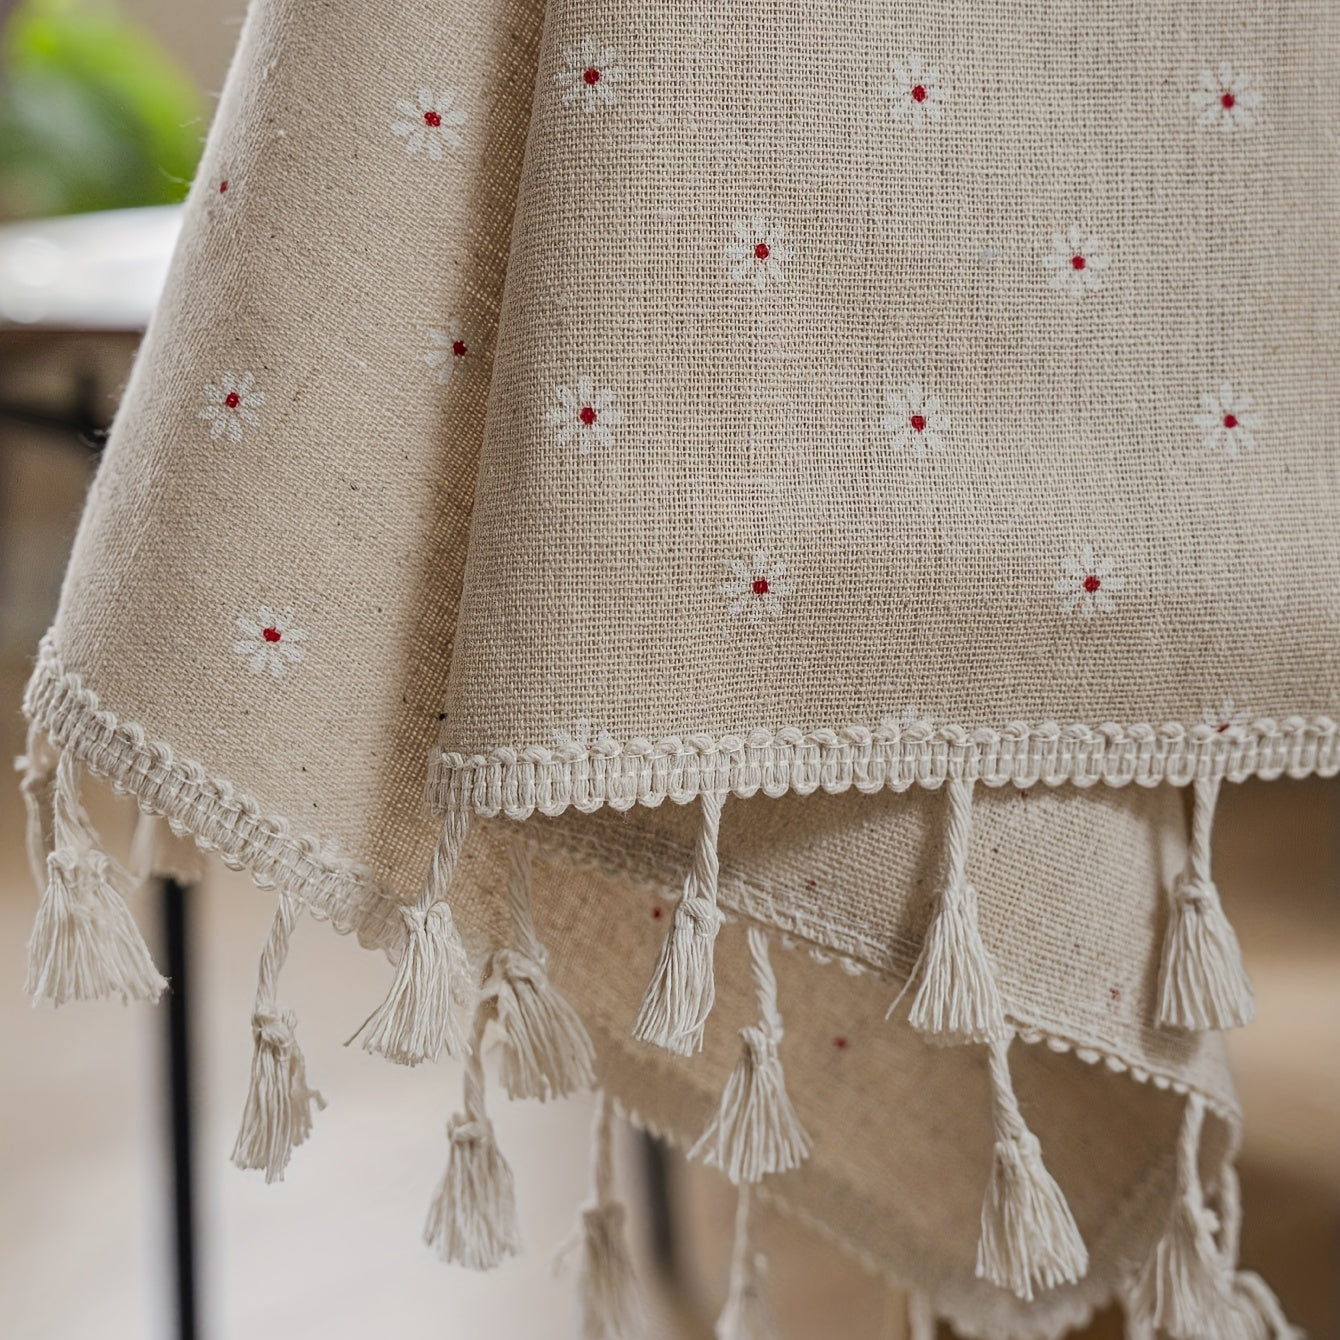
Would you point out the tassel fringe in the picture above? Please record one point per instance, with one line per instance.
(472, 1220)
(611, 1306)
(756, 1131)
(682, 990)
(1029, 1238)
(957, 1000)
(433, 994)
(84, 943)
(546, 1050)
(747, 1315)
(277, 1116)
(1202, 983)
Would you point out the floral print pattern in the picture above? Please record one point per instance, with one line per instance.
(231, 403)
(591, 75)
(758, 253)
(432, 124)
(757, 588)
(916, 92)
(1226, 101)
(585, 415)
(270, 642)
(915, 422)
(1076, 262)
(1088, 584)
(1227, 421)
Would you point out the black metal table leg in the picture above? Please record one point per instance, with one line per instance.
(176, 934)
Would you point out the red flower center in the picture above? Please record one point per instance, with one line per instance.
(232, 400)
(919, 94)
(761, 251)
(271, 634)
(1091, 583)
(760, 586)
(433, 119)
(1229, 101)
(223, 185)
(1230, 420)
(591, 75)
(918, 421)
(458, 348)
(587, 415)
(1077, 262)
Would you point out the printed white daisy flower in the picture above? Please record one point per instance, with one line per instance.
(1226, 101)
(757, 589)
(231, 405)
(1088, 584)
(270, 642)
(432, 124)
(915, 422)
(1225, 716)
(1076, 261)
(585, 415)
(448, 350)
(1228, 421)
(915, 92)
(591, 75)
(758, 253)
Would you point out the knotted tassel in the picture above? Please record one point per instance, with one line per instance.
(1202, 983)
(1184, 1290)
(957, 999)
(1029, 1237)
(682, 989)
(472, 1219)
(84, 943)
(746, 1315)
(546, 1050)
(433, 994)
(611, 1303)
(756, 1130)
(156, 850)
(277, 1117)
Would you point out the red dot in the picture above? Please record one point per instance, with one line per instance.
(918, 94)
(1114, 992)
(232, 400)
(587, 415)
(840, 1044)
(1230, 420)
(918, 421)
(591, 75)
(458, 348)
(223, 185)
(433, 119)
(270, 634)
(657, 913)
(760, 586)
(1077, 262)
(1223, 726)
(1091, 583)
(761, 251)
(1228, 101)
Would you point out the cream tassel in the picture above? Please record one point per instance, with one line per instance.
(1184, 1287)
(756, 1130)
(546, 1050)
(611, 1304)
(472, 1219)
(682, 989)
(746, 1315)
(433, 995)
(84, 943)
(1202, 983)
(958, 999)
(1029, 1237)
(277, 1117)
(156, 850)
(920, 1316)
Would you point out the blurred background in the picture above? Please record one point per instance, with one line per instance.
(103, 111)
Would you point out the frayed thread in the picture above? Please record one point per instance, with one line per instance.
(84, 943)
(433, 995)
(472, 1220)
(747, 1314)
(756, 1130)
(682, 990)
(546, 1050)
(957, 998)
(1029, 1237)
(277, 1116)
(1202, 981)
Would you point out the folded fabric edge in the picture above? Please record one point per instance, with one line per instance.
(518, 782)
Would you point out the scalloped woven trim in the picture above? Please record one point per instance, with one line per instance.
(518, 782)
(207, 809)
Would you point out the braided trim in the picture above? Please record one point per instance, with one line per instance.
(518, 782)
(208, 809)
